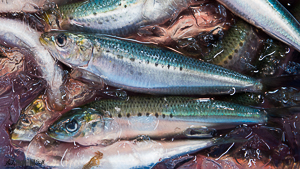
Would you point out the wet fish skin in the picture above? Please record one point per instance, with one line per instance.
(122, 154)
(270, 16)
(237, 49)
(146, 69)
(107, 16)
(156, 117)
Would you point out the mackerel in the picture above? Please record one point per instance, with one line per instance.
(142, 68)
(270, 16)
(157, 117)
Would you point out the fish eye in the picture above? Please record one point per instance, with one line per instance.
(61, 40)
(25, 121)
(72, 126)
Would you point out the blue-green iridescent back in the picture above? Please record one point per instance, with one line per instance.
(161, 57)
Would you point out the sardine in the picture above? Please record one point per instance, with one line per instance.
(139, 153)
(270, 16)
(14, 33)
(156, 117)
(146, 69)
(115, 17)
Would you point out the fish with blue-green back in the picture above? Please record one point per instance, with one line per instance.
(107, 120)
(144, 68)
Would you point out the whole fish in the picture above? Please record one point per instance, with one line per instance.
(147, 69)
(156, 117)
(14, 33)
(114, 17)
(270, 16)
(140, 153)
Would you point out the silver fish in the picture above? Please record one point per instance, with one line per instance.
(115, 17)
(270, 16)
(140, 68)
(122, 154)
(157, 117)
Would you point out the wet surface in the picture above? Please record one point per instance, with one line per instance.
(196, 32)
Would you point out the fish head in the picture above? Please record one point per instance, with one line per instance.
(76, 125)
(74, 50)
(30, 121)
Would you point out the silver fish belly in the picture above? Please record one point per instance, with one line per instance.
(122, 154)
(270, 16)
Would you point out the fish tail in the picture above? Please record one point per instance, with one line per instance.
(273, 83)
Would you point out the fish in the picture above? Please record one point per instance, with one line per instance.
(270, 16)
(31, 120)
(108, 17)
(237, 49)
(15, 33)
(138, 153)
(105, 121)
(142, 68)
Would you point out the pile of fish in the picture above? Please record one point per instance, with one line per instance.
(149, 83)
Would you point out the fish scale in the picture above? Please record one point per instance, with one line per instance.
(237, 49)
(175, 107)
(146, 69)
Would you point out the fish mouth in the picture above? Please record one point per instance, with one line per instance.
(14, 136)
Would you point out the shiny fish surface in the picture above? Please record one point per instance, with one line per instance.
(156, 117)
(140, 153)
(116, 17)
(146, 69)
(238, 47)
(270, 16)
